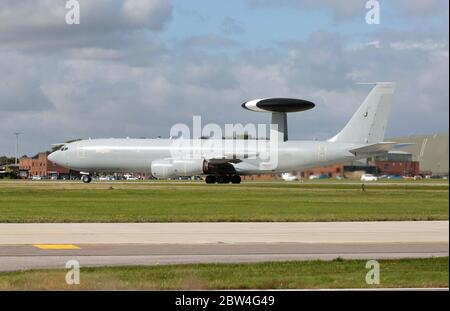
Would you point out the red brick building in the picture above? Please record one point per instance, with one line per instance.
(39, 165)
(397, 168)
(396, 163)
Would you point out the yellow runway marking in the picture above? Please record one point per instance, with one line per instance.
(56, 246)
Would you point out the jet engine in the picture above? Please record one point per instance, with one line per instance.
(171, 168)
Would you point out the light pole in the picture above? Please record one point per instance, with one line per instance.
(17, 146)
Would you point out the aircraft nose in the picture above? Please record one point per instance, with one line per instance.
(53, 157)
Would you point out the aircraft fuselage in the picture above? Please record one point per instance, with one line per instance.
(137, 155)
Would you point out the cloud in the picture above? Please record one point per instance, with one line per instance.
(426, 45)
(341, 9)
(20, 89)
(41, 24)
(347, 9)
(152, 14)
(103, 93)
(322, 53)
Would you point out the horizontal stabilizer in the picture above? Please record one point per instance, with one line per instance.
(374, 149)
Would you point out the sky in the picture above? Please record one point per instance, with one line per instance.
(134, 68)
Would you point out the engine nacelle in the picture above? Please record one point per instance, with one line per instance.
(172, 168)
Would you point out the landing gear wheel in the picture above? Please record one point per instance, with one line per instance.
(210, 179)
(223, 180)
(86, 179)
(236, 179)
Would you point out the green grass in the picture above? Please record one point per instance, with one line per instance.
(186, 202)
(432, 272)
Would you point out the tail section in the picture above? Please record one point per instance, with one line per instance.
(368, 124)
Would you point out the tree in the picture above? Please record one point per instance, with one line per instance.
(6, 160)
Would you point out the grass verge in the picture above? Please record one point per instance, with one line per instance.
(402, 273)
(196, 202)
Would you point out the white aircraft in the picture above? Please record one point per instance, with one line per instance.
(362, 137)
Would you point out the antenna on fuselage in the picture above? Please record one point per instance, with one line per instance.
(279, 107)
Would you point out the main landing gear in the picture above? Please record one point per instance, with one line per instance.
(223, 179)
(86, 179)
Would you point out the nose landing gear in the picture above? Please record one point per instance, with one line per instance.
(86, 179)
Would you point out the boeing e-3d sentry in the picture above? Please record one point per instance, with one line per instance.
(362, 137)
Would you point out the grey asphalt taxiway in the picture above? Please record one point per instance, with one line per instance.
(33, 246)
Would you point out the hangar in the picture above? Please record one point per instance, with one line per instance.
(431, 151)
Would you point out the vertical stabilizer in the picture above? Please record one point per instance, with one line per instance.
(368, 124)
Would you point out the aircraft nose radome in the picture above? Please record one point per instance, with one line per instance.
(52, 156)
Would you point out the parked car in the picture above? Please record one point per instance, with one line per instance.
(369, 177)
(36, 178)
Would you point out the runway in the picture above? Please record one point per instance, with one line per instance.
(31, 246)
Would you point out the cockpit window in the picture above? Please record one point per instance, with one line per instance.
(64, 148)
